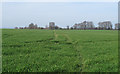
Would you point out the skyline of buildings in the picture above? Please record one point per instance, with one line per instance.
(83, 25)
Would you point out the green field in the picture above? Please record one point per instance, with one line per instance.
(59, 50)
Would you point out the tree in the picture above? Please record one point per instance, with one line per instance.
(68, 27)
(56, 27)
(35, 26)
(31, 26)
(16, 27)
(42, 28)
(71, 28)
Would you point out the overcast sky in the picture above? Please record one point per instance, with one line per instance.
(60, 0)
(62, 13)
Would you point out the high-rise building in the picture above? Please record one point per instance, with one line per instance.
(105, 25)
(51, 25)
(84, 25)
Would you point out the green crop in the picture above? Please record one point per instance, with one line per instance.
(59, 50)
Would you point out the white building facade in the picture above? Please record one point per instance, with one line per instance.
(105, 25)
(84, 25)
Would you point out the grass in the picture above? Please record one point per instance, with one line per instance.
(59, 50)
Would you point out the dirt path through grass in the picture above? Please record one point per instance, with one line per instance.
(55, 35)
(75, 47)
(67, 37)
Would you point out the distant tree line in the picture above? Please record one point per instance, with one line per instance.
(86, 25)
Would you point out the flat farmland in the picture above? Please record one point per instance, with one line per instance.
(33, 50)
